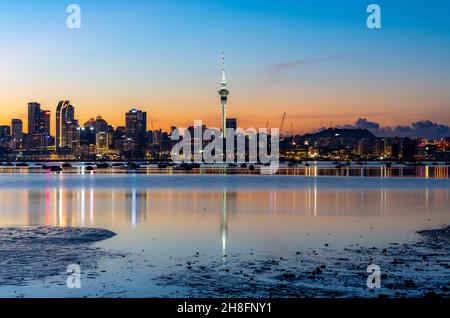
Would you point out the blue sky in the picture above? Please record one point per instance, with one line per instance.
(163, 56)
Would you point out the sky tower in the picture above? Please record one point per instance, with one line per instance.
(224, 92)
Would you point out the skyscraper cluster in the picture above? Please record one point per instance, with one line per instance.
(96, 138)
(71, 141)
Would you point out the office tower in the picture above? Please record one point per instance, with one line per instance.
(224, 92)
(45, 122)
(136, 126)
(98, 124)
(17, 133)
(5, 132)
(17, 129)
(90, 124)
(38, 120)
(72, 138)
(102, 141)
(87, 136)
(34, 117)
(67, 129)
(231, 123)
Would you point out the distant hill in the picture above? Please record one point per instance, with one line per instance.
(343, 133)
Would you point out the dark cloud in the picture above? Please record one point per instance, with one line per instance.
(364, 123)
(424, 128)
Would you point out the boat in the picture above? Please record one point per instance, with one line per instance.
(132, 165)
(103, 165)
(22, 164)
(55, 168)
(184, 167)
(89, 168)
(67, 165)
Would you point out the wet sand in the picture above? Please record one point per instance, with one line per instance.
(32, 259)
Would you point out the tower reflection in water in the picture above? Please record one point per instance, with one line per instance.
(97, 207)
(192, 217)
(224, 224)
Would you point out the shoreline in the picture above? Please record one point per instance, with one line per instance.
(411, 270)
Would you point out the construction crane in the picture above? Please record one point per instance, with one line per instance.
(267, 125)
(282, 123)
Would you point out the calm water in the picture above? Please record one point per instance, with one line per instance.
(427, 170)
(179, 215)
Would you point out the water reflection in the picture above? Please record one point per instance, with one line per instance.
(224, 224)
(61, 207)
(67, 207)
(203, 216)
(425, 170)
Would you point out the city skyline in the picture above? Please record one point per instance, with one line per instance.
(317, 65)
(39, 121)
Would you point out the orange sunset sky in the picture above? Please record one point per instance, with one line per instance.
(320, 67)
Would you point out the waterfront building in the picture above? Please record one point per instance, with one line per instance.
(16, 133)
(136, 126)
(67, 128)
(102, 142)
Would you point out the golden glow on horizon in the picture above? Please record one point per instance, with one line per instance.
(165, 115)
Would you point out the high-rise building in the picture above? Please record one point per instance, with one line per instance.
(17, 133)
(136, 126)
(98, 124)
(87, 136)
(224, 92)
(17, 129)
(45, 122)
(72, 135)
(102, 141)
(231, 123)
(90, 124)
(67, 129)
(34, 117)
(38, 120)
(5, 132)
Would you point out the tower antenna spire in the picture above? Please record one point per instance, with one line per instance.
(224, 79)
(224, 92)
